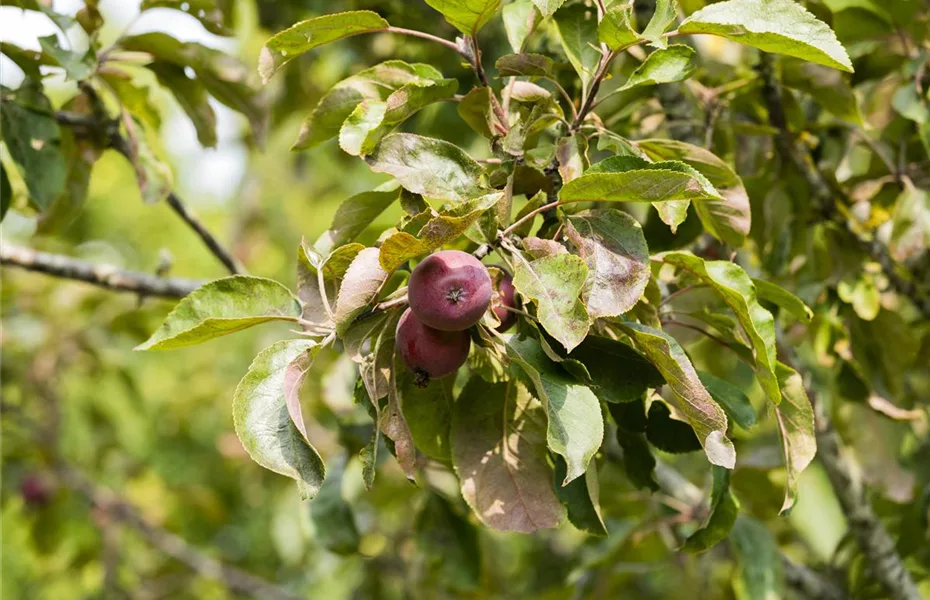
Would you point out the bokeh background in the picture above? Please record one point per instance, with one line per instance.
(157, 427)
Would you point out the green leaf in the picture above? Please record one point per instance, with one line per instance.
(673, 213)
(427, 166)
(6, 192)
(520, 19)
(307, 35)
(529, 65)
(77, 66)
(357, 212)
(309, 262)
(499, 453)
(224, 77)
(206, 11)
(779, 26)
(910, 224)
(263, 422)
(638, 461)
(468, 16)
(554, 284)
(724, 509)
(664, 15)
(731, 398)
(447, 227)
(548, 7)
(475, 110)
(675, 63)
(575, 425)
(827, 87)
(152, 173)
(80, 155)
(33, 139)
(428, 411)
(359, 288)
(616, 28)
(29, 61)
(192, 98)
(571, 153)
(612, 244)
(371, 120)
(134, 97)
(632, 179)
(795, 418)
(393, 423)
(728, 218)
(759, 573)
(333, 522)
(668, 434)
(376, 84)
(448, 544)
(691, 398)
(577, 27)
(221, 307)
(782, 298)
(736, 289)
(618, 373)
(580, 498)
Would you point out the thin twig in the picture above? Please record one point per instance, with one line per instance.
(105, 276)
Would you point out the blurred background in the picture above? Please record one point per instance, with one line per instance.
(83, 414)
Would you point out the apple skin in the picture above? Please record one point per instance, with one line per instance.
(508, 298)
(449, 290)
(428, 352)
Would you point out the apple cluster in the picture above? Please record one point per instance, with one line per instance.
(448, 292)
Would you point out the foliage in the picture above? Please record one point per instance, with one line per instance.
(716, 217)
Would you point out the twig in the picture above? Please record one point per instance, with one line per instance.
(235, 579)
(823, 191)
(105, 276)
(588, 103)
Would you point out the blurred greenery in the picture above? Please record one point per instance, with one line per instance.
(157, 427)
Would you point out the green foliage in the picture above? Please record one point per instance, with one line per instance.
(764, 246)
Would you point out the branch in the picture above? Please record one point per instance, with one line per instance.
(110, 132)
(105, 276)
(235, 579)
(824, 193)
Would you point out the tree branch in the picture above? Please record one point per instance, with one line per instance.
(235, 579)
(824, 193)
(110, 132)
(105, 276)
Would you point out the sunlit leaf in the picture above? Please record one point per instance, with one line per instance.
(795, 418)
(555, 283)
(668, 65)
(359, 288)
(632, 179)
(468, 16)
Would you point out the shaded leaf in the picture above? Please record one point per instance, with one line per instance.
(554, 283)
(357, 212)
(727, 218)
(795, 418)
(779, 26)
(618, 373)
(77, 66)
(613, 246)
(333, 521)
(663, 16)
(221, 307)
(580, 498)
(359, 288)
(428, 411)
(668, 434)
(759, 574)
(691, 398)
(448, 544)
(736, 289)
(548, 7)
(207, 12)
(731, 398)
(307, 35)
(33, 138)
(264, 425)
(575, 425)
(529, 65)
(826, 86)
(475, 110)
(500, 456)
(192, 98)
(724, 509)
(427, 166)
(782, 298)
